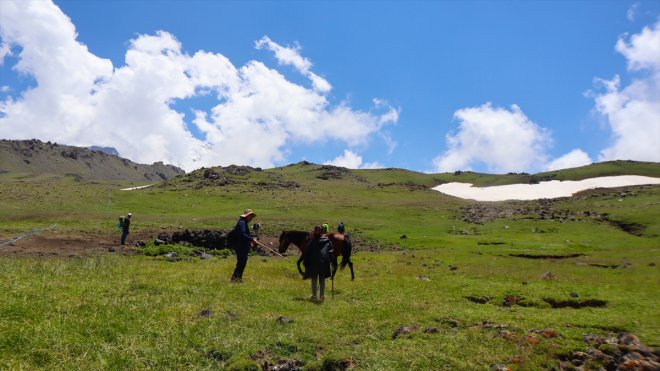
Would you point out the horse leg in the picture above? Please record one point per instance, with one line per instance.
(334, 266)
(350, 265)
(298, 264)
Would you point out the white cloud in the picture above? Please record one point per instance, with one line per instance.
(291, 56)
(503, 140)
(633, 111)
(5, 50)
(352, 160)
(575, 158)
(81, 99)
(284, 55)
(643, 51)
(632, 12)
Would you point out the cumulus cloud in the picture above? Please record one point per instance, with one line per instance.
(5, 50)
(82, 99)
(575, 158)
(291, 56)
(504, 140)
(633, 111)
(352, 160)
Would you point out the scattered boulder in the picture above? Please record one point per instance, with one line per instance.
(431, 330)
(511, 300)
(284, 320)
(207, 239)
(284, 365)
(479, 299)
(173, 256)
(326, 172)
(404, 330)
(612, 352)
(548, 276)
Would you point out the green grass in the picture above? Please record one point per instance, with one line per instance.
(136, 312)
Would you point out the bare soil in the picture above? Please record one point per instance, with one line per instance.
(58, 244)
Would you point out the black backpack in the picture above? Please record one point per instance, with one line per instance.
(232, 238)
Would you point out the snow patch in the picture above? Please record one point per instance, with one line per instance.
(551, 189)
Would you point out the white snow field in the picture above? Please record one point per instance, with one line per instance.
(551, 189)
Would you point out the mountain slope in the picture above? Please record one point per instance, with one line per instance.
(39, 158)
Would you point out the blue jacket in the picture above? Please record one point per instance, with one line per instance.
(244, 237)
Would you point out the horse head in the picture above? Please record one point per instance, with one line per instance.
(284, 242)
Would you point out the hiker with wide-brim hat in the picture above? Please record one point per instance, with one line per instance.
(243, 242)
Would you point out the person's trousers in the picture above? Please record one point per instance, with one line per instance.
(241, 261)
(321, 284)
(123, 237)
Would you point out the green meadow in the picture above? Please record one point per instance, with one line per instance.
(433, 289)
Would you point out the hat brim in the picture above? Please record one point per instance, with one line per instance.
(248, 214)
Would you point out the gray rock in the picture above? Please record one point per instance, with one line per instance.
(284, 320)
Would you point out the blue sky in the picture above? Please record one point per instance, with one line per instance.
(492, 86)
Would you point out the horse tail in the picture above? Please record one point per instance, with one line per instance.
(348, 249)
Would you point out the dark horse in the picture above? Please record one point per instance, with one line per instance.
(341, 245)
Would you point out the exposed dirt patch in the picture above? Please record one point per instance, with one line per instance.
(577, 304)
(56, 244)
(632, 228)
(530, 256)
(600, 265)
(479, 299)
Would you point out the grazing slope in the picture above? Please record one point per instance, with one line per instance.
(441, 283)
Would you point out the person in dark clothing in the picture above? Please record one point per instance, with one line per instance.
(318, 257)
(125, 227)
(256, 229)
(242, 247)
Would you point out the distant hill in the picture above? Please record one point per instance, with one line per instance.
(39, 158)
(108, 150)
(305, 175)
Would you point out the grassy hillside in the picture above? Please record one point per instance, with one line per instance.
(474, 284)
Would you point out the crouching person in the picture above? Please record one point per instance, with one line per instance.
(317, 260)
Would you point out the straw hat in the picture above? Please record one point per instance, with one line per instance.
(247, 213)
